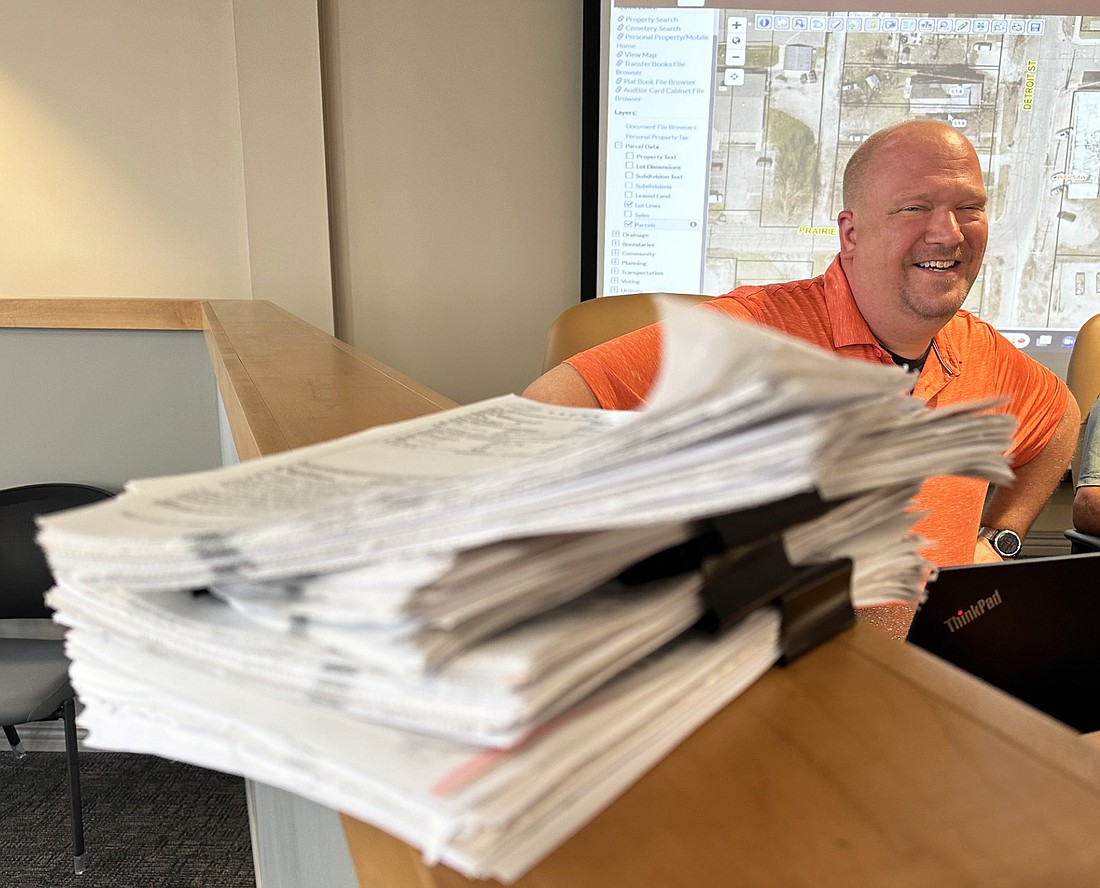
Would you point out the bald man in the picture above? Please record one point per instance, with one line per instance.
(913, 233)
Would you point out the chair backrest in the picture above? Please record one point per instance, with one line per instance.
(593, 321)
(24, 574)
(1083, 373)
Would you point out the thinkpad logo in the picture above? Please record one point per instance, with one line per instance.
(977, 609)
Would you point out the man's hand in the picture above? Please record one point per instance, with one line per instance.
(1017, 505)
(984, 553)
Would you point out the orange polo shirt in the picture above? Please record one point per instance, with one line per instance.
(970, 361)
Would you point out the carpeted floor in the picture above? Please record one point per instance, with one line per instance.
(148, 823)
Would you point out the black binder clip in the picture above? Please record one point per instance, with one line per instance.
(745, 567)
(724, 533)
(814, 602)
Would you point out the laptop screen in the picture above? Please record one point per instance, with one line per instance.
(1029, 627)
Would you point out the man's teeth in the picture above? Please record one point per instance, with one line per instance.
(937, 263)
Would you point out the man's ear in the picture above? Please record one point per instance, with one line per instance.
(846, 227)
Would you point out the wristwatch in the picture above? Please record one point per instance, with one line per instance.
(1006, 543)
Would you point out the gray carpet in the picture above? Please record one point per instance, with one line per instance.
(148, 823)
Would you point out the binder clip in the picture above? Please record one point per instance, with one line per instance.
(814, 602)
(745, 567)
(723, 533)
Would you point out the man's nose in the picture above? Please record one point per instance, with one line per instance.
(944, 228)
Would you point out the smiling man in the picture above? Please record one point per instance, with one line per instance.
(912, 236)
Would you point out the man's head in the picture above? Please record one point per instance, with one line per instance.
(913, 230)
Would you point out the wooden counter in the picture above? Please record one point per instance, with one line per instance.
(866, 763)
(284, 383)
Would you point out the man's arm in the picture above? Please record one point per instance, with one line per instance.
(1086, 510)
(562, 385)
(1016, 506)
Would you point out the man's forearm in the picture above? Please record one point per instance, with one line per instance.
(1016, 506)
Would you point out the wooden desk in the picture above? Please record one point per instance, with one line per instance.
(866, 763)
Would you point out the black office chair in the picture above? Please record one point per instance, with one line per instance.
(1082, 543)
(34, 672)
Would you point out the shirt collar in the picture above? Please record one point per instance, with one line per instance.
(850, 329)
(848, 325)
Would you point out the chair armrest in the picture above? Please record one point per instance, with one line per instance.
(1080, 543)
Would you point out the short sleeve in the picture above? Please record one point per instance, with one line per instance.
(1036, 397)
(1089, 475)
(621, 372)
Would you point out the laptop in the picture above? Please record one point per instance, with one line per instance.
(1029, 627)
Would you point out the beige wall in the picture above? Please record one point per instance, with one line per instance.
(283, 155)
(454, 131)
(163, 149)
(177, 149)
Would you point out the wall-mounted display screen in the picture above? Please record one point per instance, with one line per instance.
(725, 131)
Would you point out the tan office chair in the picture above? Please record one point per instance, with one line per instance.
(1083, 375)
(593, 321)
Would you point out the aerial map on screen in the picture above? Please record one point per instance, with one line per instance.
(727, 132)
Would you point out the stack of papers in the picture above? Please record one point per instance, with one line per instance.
(421, 624)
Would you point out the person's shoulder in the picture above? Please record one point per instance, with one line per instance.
(758, 291)
(750, 295)
(983, 345)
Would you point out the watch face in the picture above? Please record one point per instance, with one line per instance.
(1007, 543)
